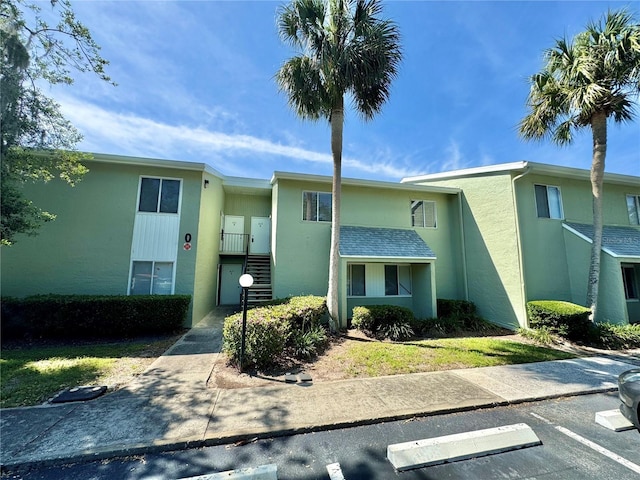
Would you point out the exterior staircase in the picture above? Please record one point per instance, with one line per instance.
(259, 267)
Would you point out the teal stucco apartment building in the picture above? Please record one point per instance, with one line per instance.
(498, 236)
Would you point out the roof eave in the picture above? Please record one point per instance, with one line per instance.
(362, 183)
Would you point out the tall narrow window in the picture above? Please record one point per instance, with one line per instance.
(316, 206)
(633, 208)
(423, 214)
(629, 281)
(159, 195)
(356, 281)
(548, 202)
(397, 280)
(151, 278)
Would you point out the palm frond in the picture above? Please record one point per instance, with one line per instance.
(596, 72)
(349, 50)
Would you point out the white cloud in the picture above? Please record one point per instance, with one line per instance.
(128, 134)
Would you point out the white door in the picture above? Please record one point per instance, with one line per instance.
(260, 232)
(233, 238)
(230, 289)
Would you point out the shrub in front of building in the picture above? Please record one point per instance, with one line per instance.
(93, 316)
(292, 326)
(560, 318)
(384, 321)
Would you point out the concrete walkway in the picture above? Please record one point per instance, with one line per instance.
(170, 407)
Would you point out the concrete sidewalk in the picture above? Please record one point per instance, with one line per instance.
(170, 407)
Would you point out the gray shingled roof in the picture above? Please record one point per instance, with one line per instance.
(382, 242)
(620, 241)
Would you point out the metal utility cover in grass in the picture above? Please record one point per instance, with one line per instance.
(461, 446)
(79, 394)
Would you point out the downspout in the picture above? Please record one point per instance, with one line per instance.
(519, 244)
(463, 249)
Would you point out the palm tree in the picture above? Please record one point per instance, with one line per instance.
(584, 83)
(344, 49)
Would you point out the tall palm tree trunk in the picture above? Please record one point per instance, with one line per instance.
(337, 123)
(599, 131)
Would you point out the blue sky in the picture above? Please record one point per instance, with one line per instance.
(196, 83)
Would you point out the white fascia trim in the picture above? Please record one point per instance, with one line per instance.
(362, 183)
(540, 168)
(604, 249)
(155, 162)
(378, 259)
(247, 182)
(503, 167)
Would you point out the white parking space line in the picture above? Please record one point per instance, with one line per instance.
(541, 418)
(600, 449)
(335, 472)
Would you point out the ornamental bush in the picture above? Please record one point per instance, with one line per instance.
(93, 316)
(453, 316)
(266, 336)
(561, 318)
(383, 321)
(292, 326)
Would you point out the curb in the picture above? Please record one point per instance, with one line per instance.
(242, 437)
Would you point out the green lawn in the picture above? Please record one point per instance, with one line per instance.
(30, 375)
(370, 359)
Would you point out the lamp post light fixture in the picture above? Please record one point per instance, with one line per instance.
(245, 281)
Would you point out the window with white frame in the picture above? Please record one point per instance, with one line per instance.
(629, 280)
(316, 206)
(548, 202)
(159, 195)
(633, 208)
(356, 281)
(151, 278)
(423, 213)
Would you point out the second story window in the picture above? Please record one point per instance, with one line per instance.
(423, 214)
(159, 195)
(316, 206)
(633, 208)
(548, 202)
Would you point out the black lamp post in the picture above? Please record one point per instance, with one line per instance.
(245, 281)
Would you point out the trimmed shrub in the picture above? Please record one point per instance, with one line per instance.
(292, 325)
(266, 336)
(93, 316)
(561, 318)
(384, 321)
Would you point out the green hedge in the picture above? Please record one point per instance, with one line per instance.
(89, 316)
(384, 321)
(561, 318)
(289, 325)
